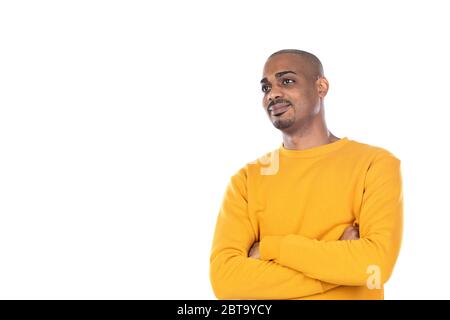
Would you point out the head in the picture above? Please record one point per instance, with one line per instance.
(294, 88)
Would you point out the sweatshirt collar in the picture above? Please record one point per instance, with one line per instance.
(315, 151)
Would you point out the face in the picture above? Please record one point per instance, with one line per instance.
(292, 91)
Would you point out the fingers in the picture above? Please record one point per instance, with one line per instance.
(354, 234)
(350, 233)
(254, 251)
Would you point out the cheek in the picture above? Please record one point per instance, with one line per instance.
(265, 102)
(304, 99)
(295, 96)
(296, 100)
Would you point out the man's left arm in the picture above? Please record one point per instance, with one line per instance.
(349, 262)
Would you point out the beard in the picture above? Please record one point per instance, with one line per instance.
(286, 120)
(283, 123)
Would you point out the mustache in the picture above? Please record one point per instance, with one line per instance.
(278, 101)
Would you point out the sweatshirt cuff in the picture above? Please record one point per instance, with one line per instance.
(269, 247)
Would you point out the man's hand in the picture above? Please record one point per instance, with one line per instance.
(254, 251)
(350, 233)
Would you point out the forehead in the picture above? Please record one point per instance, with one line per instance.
(284, 62)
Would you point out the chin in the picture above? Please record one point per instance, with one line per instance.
(283, 124)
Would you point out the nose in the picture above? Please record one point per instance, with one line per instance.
(273, 95)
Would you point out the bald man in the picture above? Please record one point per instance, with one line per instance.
(320, 217)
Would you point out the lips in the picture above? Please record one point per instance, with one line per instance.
(278, 109)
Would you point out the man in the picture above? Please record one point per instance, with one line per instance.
(318, 218)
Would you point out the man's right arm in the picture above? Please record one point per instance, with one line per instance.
(233, 274)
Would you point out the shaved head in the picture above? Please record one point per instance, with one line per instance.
(294, 87)
(312, 63)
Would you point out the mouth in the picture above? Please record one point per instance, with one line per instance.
(278, 109)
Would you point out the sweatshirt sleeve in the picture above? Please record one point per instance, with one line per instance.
(233, 274)
(352, 262)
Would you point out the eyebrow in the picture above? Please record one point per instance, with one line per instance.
(277, 75)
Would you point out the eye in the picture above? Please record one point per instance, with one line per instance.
(265, 88)
(285, 81)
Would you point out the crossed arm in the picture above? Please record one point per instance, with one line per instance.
(350, 233)
(292, 266)
(235, 275)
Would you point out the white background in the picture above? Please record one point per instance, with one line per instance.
(122, 121)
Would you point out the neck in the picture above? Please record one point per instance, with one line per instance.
(311, 134)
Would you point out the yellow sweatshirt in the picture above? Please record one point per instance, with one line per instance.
(297, 203)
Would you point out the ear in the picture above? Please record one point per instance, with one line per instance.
(322, 86)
